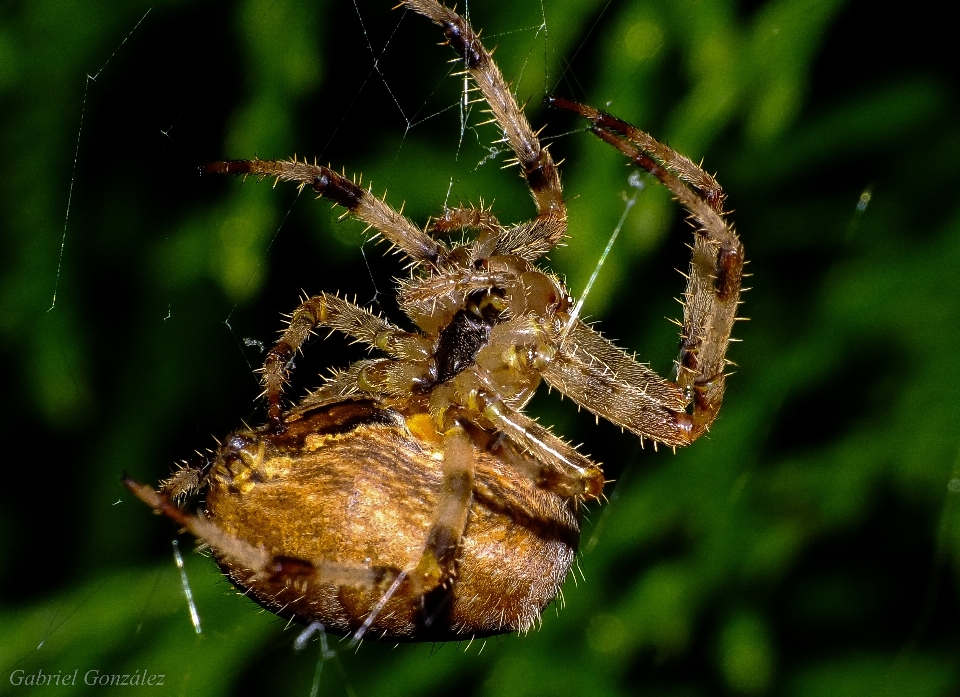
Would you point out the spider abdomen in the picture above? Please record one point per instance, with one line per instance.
(349, 483)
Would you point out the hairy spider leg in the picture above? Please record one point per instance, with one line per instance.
(704, 183)
(437, 569)
(359, 202)
(332, 311)
(476, 218)
(602, 378)
(257, 560)
(431, 301)
(535, 238)
(556, 466)
(716, 267)
(465, 218)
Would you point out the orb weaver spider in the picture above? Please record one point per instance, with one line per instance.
(410, 497)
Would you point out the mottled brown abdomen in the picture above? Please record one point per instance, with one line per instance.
(350, 483)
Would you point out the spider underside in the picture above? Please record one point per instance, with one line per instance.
(410, 497)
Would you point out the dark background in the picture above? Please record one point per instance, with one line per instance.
(809, 546)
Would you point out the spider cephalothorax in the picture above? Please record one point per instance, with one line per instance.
(410, 496)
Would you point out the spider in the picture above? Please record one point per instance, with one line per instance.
(410, 497)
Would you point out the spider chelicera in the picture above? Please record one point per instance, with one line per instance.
(410, 497)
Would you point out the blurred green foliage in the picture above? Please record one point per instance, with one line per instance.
(809, 547)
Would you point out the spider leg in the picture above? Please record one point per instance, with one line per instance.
(334, 312)
(432, 301)
(361, 203)
(256, 560)
(436, 569)
(605, 380)
(680, 165)
(430, 579)
(716, 267)
(556, 465)
(465, 218)
(534, 239)
(551, 464)
(469, 218)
